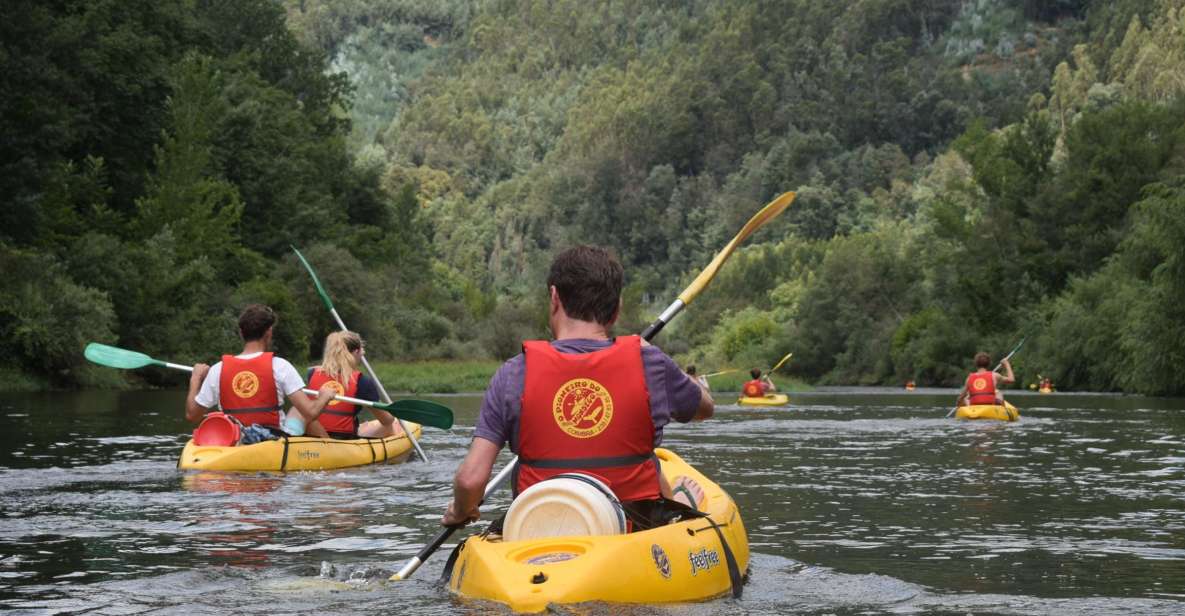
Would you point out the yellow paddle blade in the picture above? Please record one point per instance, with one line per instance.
(779, 365)
(767, 213)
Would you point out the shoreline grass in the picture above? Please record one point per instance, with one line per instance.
(437, 376)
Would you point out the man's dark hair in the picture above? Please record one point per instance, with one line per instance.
(755, 373)
(254, 321)
(982, 360)
(588, 280)
(690, 369)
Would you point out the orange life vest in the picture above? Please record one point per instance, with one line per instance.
(588, 412)
(247, 390)
(754, 389)
(340, 419)
(982, 387)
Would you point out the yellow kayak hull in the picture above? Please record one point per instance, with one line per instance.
(1007, 412)
(767, 400)
(299, 453)
(1045, 390)
(677, 563)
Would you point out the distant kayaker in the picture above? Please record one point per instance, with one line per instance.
(983, 385)
(249, 386)
(702, 380)
(758, 386)
(585, 401)
(339, 369)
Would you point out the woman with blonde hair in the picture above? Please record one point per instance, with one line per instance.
(339, 368)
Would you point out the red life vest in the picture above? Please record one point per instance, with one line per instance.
(247, 390)
(754, 389)
(981, 386)
(588, 412)
(339, 418)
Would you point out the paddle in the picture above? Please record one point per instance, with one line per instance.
(712, 374)
(779, 364)
(1001, 363)
(333, 311)
(767, 213)
(419, 411)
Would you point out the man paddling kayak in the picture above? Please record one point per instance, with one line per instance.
(339, 370)
(982, 386)
(759, 386)
(584, 401)
(249, 386)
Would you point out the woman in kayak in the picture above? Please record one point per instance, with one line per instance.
(339, 369)
(983, 385)
(702, 380)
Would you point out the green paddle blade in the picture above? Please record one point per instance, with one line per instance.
(115, 357)
(421, 411)
(316, 281)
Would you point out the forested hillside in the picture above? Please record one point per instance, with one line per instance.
(968, 173)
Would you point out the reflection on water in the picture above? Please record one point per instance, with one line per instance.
(856, 502)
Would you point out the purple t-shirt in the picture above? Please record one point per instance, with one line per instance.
(673, 395)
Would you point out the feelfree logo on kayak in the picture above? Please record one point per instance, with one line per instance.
(245, 384)
(703, 560)
(582, 408)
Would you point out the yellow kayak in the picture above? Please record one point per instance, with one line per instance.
(1045, 390)
(298, 453)
(767, 400)
(677, 563)
(1007, 412)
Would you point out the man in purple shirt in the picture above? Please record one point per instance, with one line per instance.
(578, 275)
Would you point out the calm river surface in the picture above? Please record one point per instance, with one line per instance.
(857, 502)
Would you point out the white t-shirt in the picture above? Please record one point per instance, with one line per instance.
(288, 381)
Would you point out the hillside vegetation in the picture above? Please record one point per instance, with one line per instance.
(967, 174)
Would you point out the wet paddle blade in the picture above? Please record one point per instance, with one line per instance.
(779, 365)
(767, 213)
(115, 357)
(422, 412)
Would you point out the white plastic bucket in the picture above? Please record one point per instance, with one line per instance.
(572, 504)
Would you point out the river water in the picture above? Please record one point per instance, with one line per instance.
(856, 502)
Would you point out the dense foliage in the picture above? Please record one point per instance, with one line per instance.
(967, 174)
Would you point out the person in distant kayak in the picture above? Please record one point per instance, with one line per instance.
(758, 386)
(702, 380)
(983, 385)
(339, 369)
(250, 386)
(584, 402)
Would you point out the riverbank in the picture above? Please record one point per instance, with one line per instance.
(437, 377)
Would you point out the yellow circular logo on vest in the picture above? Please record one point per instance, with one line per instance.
(338, 388)
(979, 384)
(582, 408)
(245, 384)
